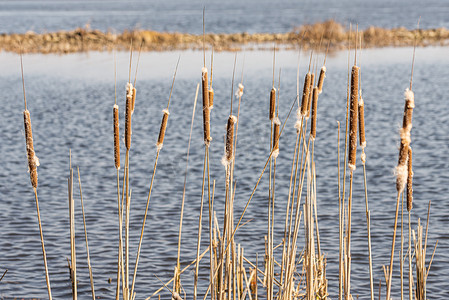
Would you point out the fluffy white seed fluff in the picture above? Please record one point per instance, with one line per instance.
(401, 173)
(165, 111)
(363, 157)
(405, 134)
(159, 146)
(363, 145)
(224, 161)
(115, 106)
(275, 153)
(277, 121)
(323, 68)
(240, 91)
(204, 72)
(409, 95)
(351, 167)
(176, 296)
(234, 118)
(129, 90)
(297, 125)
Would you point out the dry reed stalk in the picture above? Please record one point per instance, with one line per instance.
(314, 113)
(321, 79)
(401, 169)
(33, 163)
(159, 145)
(72, 233)
(177, 283)
(305, 94)
(85, 235)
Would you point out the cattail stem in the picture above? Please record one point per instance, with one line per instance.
(390, 275)
(410, 276)
(120, 241)
(85, 235)
(44, 254)
(72, 236)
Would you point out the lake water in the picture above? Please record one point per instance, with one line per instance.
(70, 98)
(221, 16)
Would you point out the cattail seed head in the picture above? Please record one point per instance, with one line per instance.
(314, 112)
(160, 140)
(116, 137)
(362, 123)
(128, 113)
(206, 110)
(272, 103)
(309, 102)
(211, 98)
(134, 99)
(230, 138)
(353, 117)
(277, 125)
(321, 79)
(409, 181)
(305, 94)
(33, 161)
(408, 109)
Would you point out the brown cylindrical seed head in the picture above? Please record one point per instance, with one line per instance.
(272, 103)
(353, 117)
(33, 162)
(305, 94)
(277, 125)
(409, 181)
(116, 137)
(211, 98)
(321, 79)
(134, 99)
(128, 112)
(206, 110)
(314, 112)
(160, 140)
(230, 138)
(362, 123)
(309, 102)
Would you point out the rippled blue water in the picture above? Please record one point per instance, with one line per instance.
(221, 16)
(71, 97)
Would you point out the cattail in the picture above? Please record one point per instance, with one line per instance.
(314, 113)
(409, 181)
(33, 161)
(240, 91)
(116, 137)
(298, 120)
(211, 98)
(305, 94)
(362, 123)
(353, 117)
(277, 125)
(272, 104)
(230, 138)
(176, 296)
(401, 169)
(309, 102)
(160, 140)
(128, 112)
(321, 79)
(206, 110)
(134, 99)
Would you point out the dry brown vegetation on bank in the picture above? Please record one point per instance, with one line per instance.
(85, 39)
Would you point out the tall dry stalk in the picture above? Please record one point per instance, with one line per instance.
(72, 231)
(33, 163)
(159, 146)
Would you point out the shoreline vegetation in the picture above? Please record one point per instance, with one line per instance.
(308, 35)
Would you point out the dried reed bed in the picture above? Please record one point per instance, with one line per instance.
(86, 39)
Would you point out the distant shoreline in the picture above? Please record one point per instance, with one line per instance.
(310, 36)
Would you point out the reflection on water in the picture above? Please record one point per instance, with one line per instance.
(71, 97)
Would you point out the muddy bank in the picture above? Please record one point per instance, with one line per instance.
(85, 39)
